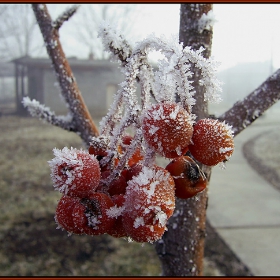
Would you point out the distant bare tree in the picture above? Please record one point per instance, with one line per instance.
(88, 20)
(19, 32)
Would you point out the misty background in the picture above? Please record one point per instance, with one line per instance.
(246, 42)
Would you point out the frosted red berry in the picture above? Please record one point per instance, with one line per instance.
(74, 172)
(168, 128)
(187, 176)
(91, 217)
(149, 202)
(99, 145)
(63, 214)
(117, 230)
(212, 142)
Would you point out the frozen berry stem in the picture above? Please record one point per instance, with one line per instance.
(82, 122)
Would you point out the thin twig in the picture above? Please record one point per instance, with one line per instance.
(44, 113)
(65, 16)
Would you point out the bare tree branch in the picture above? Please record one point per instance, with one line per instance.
(44, 113)
(65, 16)
(82, 121)
(245, 112)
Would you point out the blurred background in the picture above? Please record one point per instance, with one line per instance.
(245, 42)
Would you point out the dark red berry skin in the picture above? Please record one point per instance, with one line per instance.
(64, 211)
(118, 229)
(91, 217)
(117, 186)
(187, 177)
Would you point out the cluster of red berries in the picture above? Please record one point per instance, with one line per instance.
(138, 202)
(169, 129)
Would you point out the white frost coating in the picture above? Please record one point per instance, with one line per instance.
(93, 221)
(65, 157)
(223, 150)
(115, 211)
(112, 38)
(36, 109)
(206, 21)
(161, 217)
(139, 221)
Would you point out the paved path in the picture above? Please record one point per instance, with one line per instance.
(245, 209)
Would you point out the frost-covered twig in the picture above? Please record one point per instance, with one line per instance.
(173, 78)
(65, 16)
(245, 112)
(44, 113)
(81, 119)
(114, 43)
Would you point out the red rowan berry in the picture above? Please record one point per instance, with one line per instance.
(212, 142)
(116, 212)
(187, 177)
(74, 172)
(168, 128)
(63, 214)
(99, 145)
(149, 202)
(91, 217)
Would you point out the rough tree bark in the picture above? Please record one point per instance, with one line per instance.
(181, 250)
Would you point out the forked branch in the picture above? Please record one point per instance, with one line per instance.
(65, 16)
(82, 122)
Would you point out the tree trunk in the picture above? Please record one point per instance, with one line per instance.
(181, 250)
